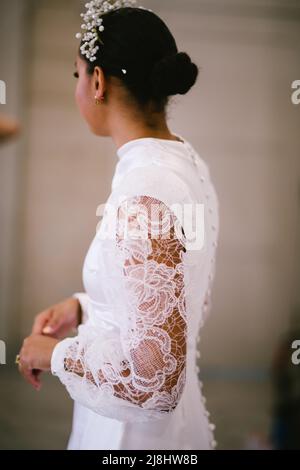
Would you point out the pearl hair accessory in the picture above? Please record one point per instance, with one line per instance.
(93, 24)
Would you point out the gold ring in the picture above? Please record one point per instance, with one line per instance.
(17, 359)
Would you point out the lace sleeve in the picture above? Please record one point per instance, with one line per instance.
(138, 374)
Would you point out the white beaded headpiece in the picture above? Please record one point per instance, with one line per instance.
(93, 24)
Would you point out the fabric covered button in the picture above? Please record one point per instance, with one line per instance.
(213, 443)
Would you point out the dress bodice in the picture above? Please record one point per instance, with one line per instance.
(159, 168)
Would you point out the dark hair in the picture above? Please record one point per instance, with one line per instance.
(139, 41)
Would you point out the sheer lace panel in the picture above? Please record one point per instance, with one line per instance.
(145, 364)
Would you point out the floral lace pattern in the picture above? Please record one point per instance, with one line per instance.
(144, 365)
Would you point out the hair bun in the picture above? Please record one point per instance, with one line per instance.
(172, 75)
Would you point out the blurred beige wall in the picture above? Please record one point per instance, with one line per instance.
(13, 71)
(239, 117)
(68, 170)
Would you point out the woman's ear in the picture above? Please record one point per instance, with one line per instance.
(99, 80)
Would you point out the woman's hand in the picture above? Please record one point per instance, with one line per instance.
(57, 321)
(35, 357)
(49, 326)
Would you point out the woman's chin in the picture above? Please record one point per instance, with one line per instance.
(97, 132)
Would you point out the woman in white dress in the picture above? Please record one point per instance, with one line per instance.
(131, 369)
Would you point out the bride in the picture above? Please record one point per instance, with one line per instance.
(132, 367)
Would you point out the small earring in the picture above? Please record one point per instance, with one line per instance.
(97, 101)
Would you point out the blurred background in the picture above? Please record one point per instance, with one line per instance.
(54, 174)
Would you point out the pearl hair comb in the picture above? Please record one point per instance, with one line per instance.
(93, 24)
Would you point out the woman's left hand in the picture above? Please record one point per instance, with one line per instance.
(35, 356)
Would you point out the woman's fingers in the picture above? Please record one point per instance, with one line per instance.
(47, 322)
(37, 376)
(29, 376)
(58, 319)
(53, 324)
(40, 321)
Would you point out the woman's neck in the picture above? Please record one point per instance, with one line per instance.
(126, 127)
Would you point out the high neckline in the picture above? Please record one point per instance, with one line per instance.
(145, 140)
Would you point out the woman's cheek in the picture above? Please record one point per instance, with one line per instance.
(82, 99)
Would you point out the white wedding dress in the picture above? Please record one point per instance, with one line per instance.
(132, 368)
